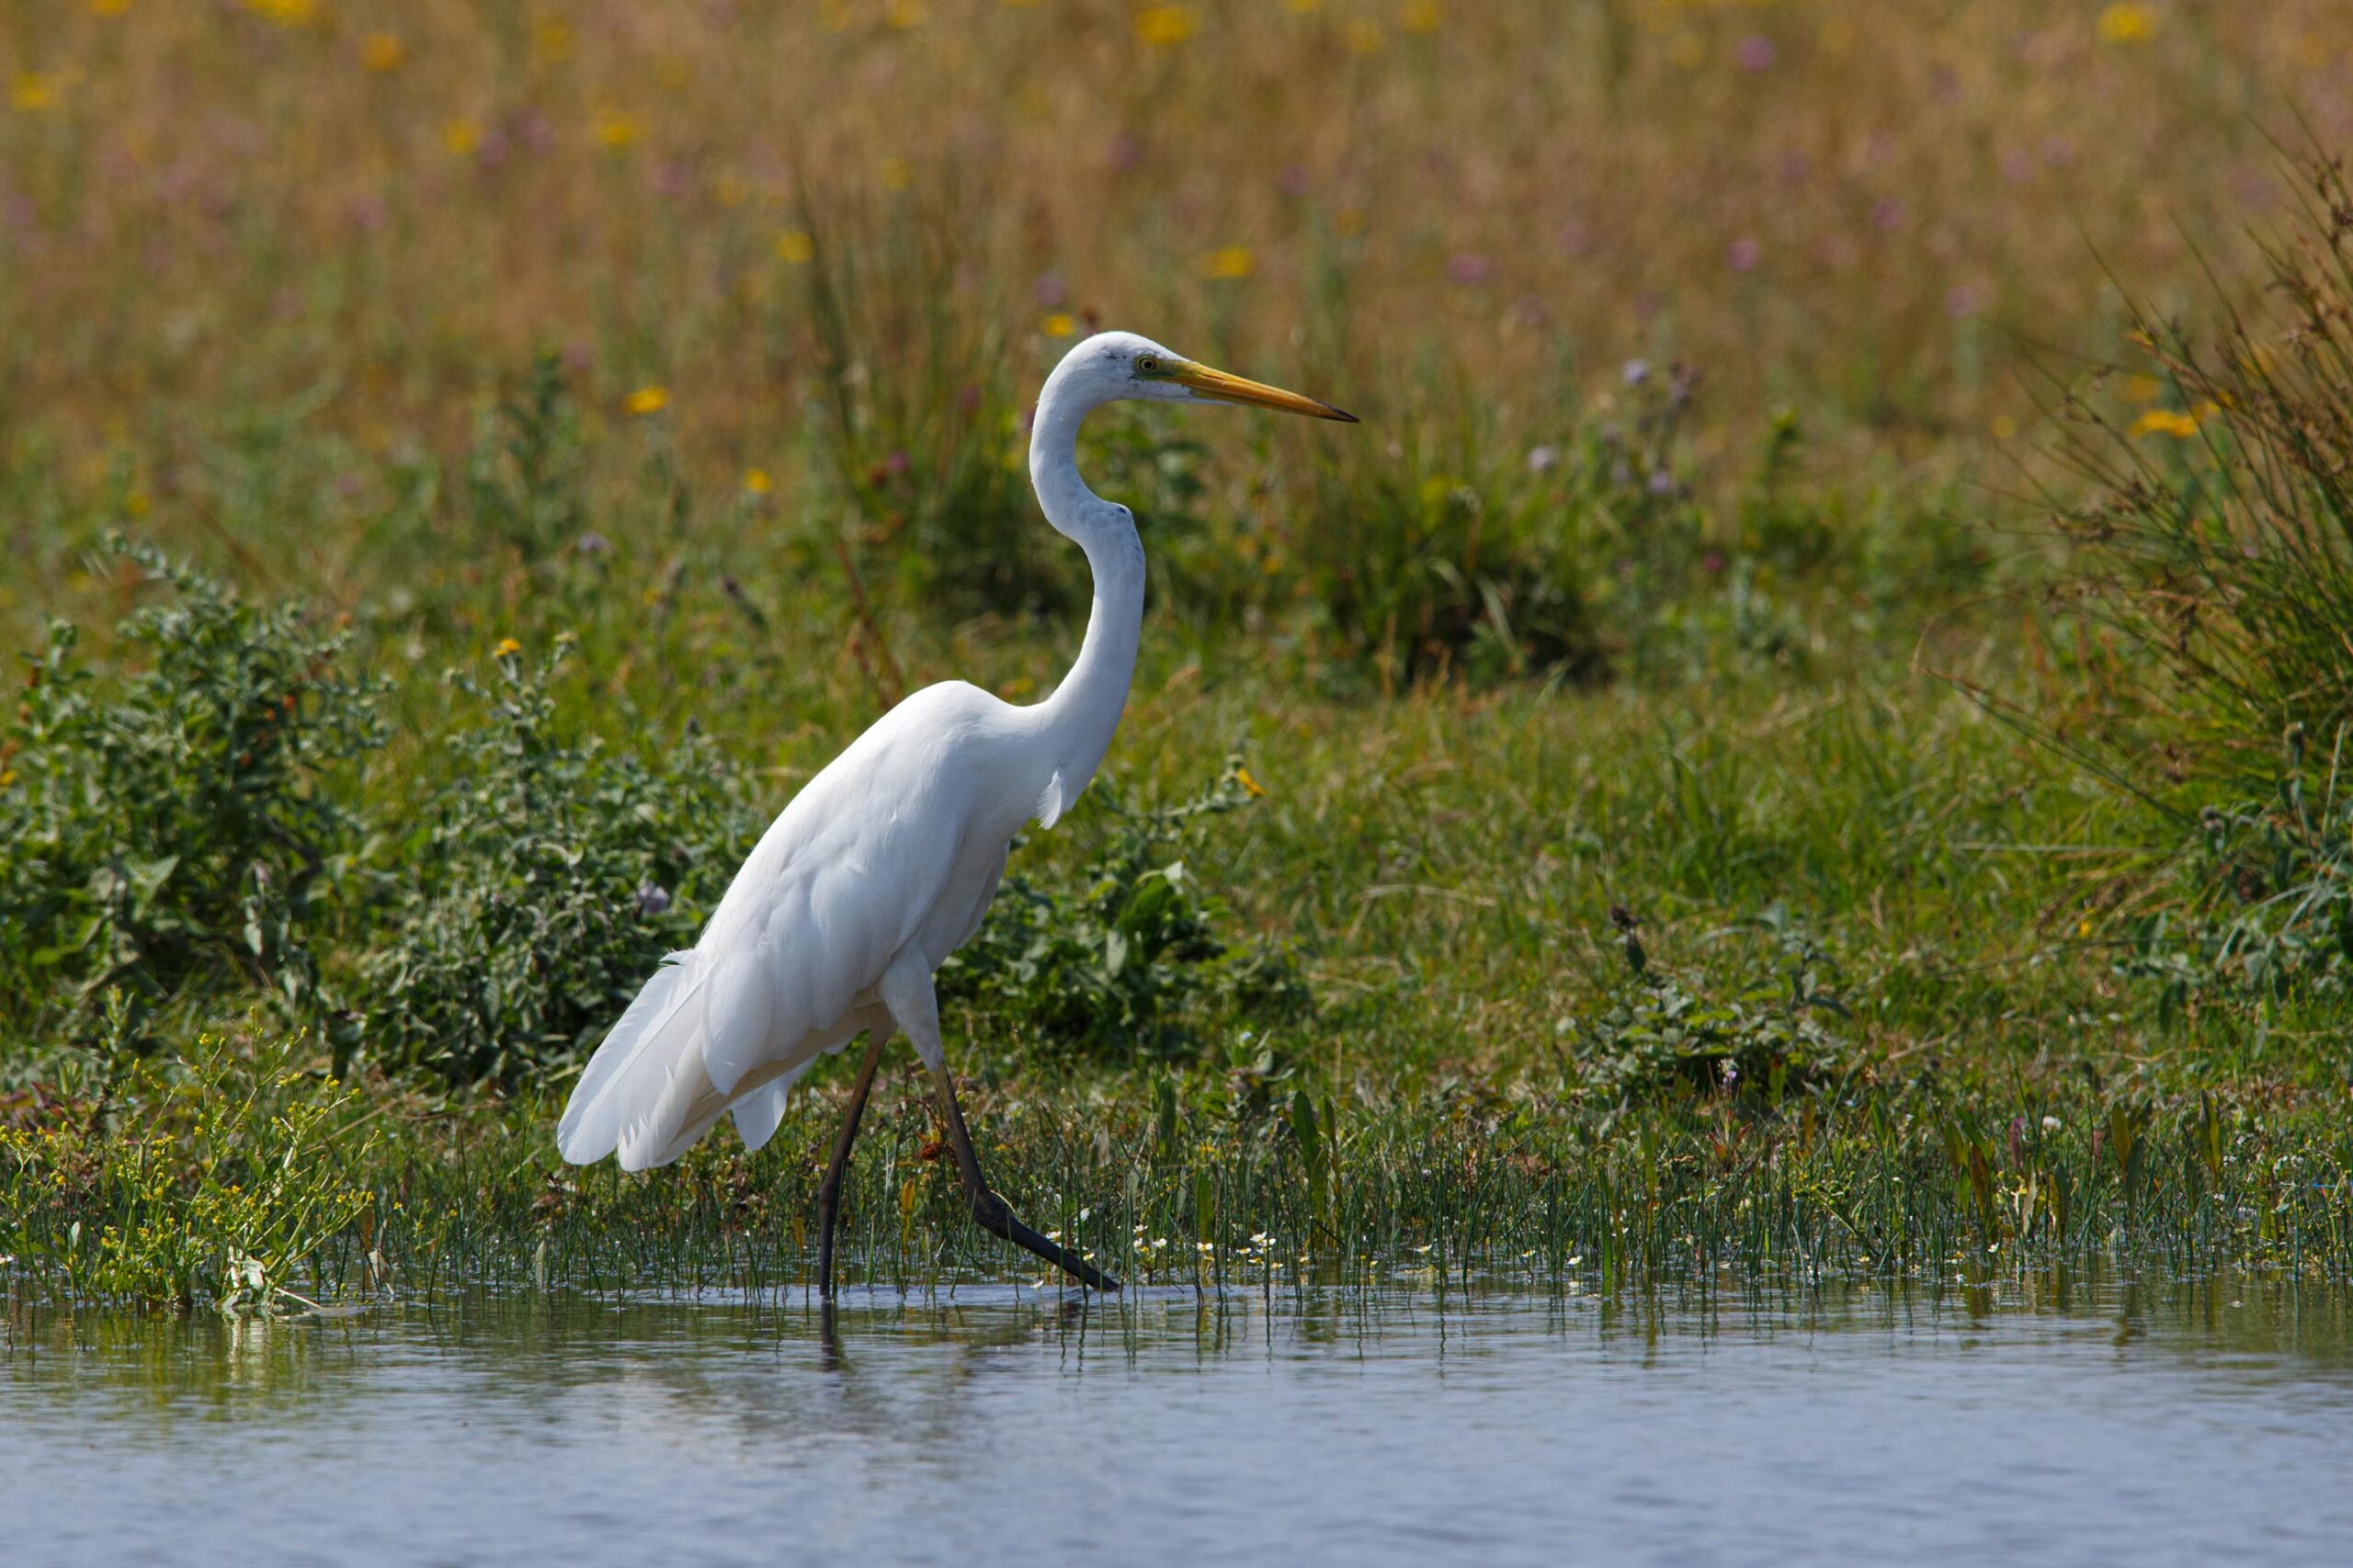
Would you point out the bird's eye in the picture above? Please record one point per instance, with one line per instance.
(1147, 364)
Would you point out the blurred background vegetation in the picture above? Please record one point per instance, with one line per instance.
(389, 208)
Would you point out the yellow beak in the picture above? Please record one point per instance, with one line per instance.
(1225, 388)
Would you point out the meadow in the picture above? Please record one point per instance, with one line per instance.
(1801, 733)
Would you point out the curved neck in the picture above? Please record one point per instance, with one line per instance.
(1081, 715)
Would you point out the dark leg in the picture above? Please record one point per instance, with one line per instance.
(829, 1191)
(990, 1210)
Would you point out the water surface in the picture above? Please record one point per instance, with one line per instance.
(2038, 1422)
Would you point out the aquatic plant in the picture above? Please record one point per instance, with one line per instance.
(213, 1179)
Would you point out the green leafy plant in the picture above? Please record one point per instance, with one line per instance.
(171, 817)
(526, 480)
(1122, 957)
(542, 882)
(1661, 1038)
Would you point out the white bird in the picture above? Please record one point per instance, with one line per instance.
(884, 863)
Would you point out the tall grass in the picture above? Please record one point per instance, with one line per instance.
(2213, 572)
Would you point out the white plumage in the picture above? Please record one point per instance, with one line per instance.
(897, 845)
(886, 861)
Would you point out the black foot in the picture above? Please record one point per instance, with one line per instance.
(994, 1217)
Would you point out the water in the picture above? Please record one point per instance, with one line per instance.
(2085, 1423)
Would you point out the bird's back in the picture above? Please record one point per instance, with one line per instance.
(899, 841)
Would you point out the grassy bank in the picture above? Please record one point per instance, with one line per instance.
(1661, 795)
(1887, 1012)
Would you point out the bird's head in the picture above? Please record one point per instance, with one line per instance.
(1113, 365)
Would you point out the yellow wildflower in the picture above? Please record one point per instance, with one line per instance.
(1250, 786)
(758, 481)
(381, 54)
(1060, 324)
(617, 130)
(1166, 27)
(551, 39)
(34, 91)
(1419, 16)
(794, 245)
(2164, 422)
(1364, 36)
(108, 7)
(462, 137)
(906, 13)
(286, 13)
(2140, 389)
(1229, 262)
(507, 647)
(1303, 7)
(648, 399)
(897, 174)
(8, 776)
(2126, 23)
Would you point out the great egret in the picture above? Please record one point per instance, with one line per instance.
(884, 863)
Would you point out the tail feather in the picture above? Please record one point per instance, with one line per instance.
(757, 1113)
(628, 1077)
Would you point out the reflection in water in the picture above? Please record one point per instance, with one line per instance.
(2054, 1416)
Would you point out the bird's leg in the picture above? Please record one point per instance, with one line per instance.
(988, 1209)
(829, 1191)
(906, 992)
